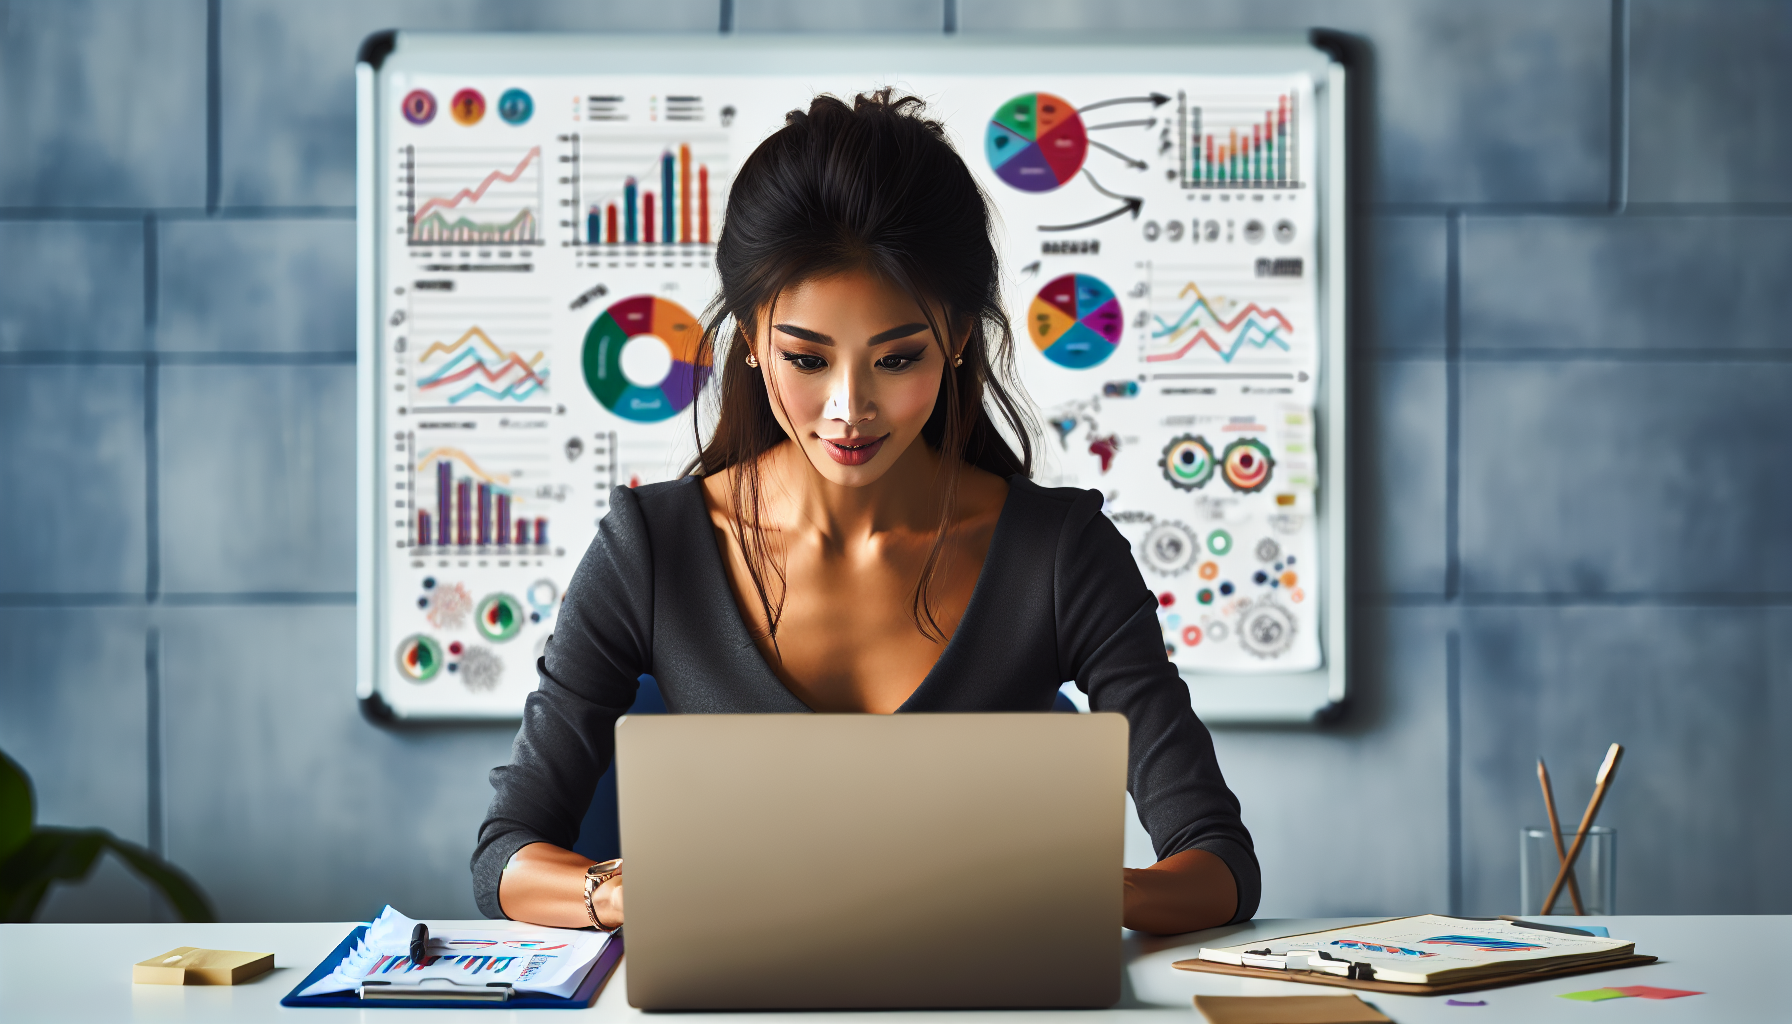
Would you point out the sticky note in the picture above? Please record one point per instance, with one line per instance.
(1651, 992)
(1594, 995)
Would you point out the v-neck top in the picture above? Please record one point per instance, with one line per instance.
(1059, 599)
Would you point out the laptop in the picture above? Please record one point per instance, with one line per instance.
(872, 861)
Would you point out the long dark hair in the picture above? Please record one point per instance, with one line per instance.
(874, 186)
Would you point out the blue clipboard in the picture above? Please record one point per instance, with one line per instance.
(587, 992)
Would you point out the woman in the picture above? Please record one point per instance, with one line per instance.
(856, 535)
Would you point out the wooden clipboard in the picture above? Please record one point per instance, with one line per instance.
(1402, 988)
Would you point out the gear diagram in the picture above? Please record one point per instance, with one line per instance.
(1170, 548)
(1187, 462)
(1247, 465)
(1266, 630)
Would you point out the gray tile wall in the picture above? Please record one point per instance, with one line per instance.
(1569, 441)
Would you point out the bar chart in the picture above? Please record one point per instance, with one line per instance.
(648, 188)
(463, 504)
(1240, 143)
(472, 194)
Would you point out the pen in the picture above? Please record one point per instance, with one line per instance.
(1522, 923)
(420, 945)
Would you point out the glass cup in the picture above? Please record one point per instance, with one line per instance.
(1595, 869)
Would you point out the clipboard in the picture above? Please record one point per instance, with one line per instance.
(600, 972)
(1406, 989)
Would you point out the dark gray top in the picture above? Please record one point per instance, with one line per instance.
(1059, 598)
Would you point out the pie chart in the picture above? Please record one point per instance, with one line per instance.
(640, 358)
(1075, 320)
(1036, 142)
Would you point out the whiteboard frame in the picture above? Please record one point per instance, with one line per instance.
(1290, 698)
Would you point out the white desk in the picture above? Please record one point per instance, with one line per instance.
(41, 966)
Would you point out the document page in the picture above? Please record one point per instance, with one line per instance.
(548, 961)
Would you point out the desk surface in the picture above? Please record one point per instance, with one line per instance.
(42, 968)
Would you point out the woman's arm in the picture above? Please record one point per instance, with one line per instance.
(600, 646)
(1184, 892)
(545, 885)
(1111, 644)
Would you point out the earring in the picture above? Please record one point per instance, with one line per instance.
(752, 361)
(957, 360)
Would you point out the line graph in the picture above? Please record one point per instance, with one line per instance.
(458, 371)
(472, 194)
(1220, 312)
(1253, 325)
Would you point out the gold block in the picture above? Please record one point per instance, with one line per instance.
(190, 965)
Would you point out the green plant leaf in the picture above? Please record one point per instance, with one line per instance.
(16, 811)
(182, 892)
(50, 855)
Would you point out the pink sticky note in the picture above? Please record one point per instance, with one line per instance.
(1651, 992)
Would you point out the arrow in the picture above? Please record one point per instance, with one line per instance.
(1030, 269)
(1141, 123)
(1156, 99)
(1129, 204)
(1137, 165)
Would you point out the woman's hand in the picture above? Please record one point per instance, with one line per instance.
(544, 884)
(1185, 892)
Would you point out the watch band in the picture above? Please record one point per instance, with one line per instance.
(596, 875)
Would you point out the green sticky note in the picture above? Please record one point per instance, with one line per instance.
(1593, 995)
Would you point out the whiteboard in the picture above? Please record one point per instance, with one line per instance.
(536, 222)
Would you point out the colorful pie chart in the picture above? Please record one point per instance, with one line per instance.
(641, 360)
(1075, 320)
(419, 658)
(1036, 142)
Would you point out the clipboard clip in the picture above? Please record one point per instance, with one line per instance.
(1316, 960)
(437, 988)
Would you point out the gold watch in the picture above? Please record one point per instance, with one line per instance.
(596, 875)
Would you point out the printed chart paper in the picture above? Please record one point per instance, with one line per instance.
(1425, 949)
(549, 961)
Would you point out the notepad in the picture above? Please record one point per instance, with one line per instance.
(548, 961)
(1429, 949)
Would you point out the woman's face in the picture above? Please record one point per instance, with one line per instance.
(853, 371)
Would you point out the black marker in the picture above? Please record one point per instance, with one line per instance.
(420, 945)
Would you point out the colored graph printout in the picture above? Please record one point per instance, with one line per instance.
(550, 960)
(1224, 317)
(474, 194)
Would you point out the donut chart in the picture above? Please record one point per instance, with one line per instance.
(1075, 320)
(1246, 465)
(644, 320)
(499, 617)
(1036, 142)
(419, 658)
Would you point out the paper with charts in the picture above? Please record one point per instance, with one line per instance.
(1423, 950)
(554, 249)
(549, 961)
